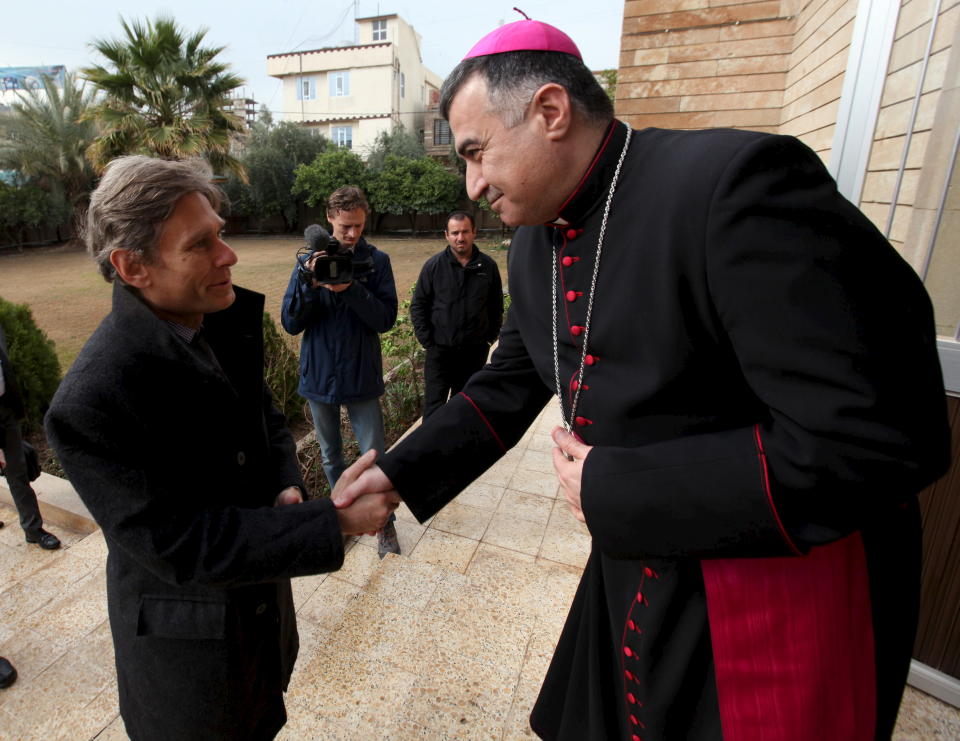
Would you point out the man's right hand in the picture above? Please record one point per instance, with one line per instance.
(364, 494)
(367, 513)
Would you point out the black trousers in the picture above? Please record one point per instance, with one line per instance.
(446, 371)
(16, 472)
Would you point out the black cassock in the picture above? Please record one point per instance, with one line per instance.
(763, 391)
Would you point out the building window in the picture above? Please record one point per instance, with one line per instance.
(403, 84)
(380, 30)
(306, 88)
(441, 132)
(342, 136)
(340, 84)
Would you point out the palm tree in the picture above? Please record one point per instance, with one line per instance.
(45, 138)
(163, 96)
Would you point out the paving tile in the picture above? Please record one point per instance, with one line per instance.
(524, 506)
(507, 531)
(537, 460)
(500, 472)
(328, 603)
(30, 653)
(542, 441)
(463, 519)
(481, 495)
(64, 688)
(562, 517)
(85, 722)
(116, 731)
(445, 549)
(359, 563)
(534, 482)
(404, 582)
(92, 547)
(459, 705)
(74, 614)
(303, 588)
(923, 718)
(565, 545)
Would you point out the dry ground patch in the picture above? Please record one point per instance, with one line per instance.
(68, 297)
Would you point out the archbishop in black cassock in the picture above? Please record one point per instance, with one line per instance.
(757, 402)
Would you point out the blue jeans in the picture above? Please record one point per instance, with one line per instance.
(367, 422)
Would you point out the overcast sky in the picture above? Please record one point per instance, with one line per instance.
(49, 32)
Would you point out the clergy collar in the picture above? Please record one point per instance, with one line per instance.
(592, 188)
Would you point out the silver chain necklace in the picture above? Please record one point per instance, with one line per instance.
(568, 420)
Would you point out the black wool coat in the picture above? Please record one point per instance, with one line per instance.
(179, 462)
(763, 394)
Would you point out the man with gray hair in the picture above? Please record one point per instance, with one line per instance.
(166, 429)
(751, 399)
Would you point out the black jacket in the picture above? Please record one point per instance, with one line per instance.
(180, 465)
(12, 398)
(456, 304)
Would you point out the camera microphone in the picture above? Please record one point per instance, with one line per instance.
(318, 239)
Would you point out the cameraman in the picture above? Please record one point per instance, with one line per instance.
(340, 357)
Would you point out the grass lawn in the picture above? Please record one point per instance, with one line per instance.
(68, 297)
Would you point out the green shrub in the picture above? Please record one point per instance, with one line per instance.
(281, 369)
(33, 357)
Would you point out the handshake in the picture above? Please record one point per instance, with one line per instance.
(364, 497)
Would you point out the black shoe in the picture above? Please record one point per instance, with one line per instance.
(387, 541)
(8, 675)
(47, 541)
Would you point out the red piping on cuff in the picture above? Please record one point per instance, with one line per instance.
(766, 485)
(486, 422)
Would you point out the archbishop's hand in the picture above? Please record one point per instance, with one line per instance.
(568, 458)
(364, 479)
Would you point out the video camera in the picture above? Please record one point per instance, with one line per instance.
(333, 264)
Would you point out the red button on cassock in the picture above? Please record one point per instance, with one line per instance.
(590, 359)
(631, 699)
(576, 330)
(628, 674)
(571, 295)
(583, 422)
(567, 261)
(572, 233)
(627, 651)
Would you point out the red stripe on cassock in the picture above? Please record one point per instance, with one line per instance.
(793, 645)
(486, 422)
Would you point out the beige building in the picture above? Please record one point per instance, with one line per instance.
(873, 86)
(352, 93)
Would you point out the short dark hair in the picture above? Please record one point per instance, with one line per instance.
(459, 216)
(347, 198)
(136, 195)
(513, 77)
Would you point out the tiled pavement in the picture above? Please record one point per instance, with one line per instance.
(448, 641)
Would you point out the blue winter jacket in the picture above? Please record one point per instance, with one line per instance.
(340, 357)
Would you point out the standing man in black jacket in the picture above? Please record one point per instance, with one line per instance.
(457, 310)
(13, 464)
